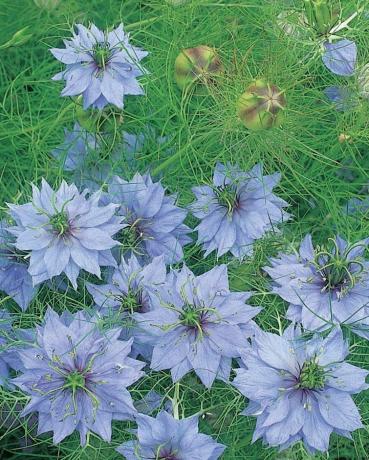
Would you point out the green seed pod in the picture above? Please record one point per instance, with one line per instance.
(261, 106)
(98, 121)
(321, 15)
(197, 65)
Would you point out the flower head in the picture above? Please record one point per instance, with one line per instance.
(166, 438)
(340, 57)
(77, 377)
(101, 66)
(237, 209)
(300, 390)
(129, 290)
(198, 324)
(15, 280)
(153, 224)
(341, 96)
(325, 284)
(65, 231)
(5, 336)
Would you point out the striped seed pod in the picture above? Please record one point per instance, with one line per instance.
(261, 106)
(197, 65)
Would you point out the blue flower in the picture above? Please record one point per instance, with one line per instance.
(5, 339)
(65, 231)
(237, 209)
(101, 66)
(324, 285)
(300, 390)
(342, 98)
(153, 224)
(166, 438)
(197, 323)
(77, 377)
(15, 280)
(78, 143)
(340, 57)
(129, 290)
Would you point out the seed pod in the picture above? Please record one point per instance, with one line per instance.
(197, 65)
(98, 121)
(261, 106)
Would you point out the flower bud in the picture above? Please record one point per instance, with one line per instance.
(261, 106)
(197, 65)
(320, 15)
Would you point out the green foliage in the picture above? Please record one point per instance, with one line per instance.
(319, 174)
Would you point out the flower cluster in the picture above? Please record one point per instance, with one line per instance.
(300, 389)
(102, 67)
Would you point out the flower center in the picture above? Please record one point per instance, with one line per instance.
(131, 236)
(130, 302)
(338, 271)
(312, 376)
(75, 380)
(60, 223)
(101, 54)
(227, 197)
(191, 316)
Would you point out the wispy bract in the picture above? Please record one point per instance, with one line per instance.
(237, 209)
(129, 290)
(300, 390)
(324, 285)
(101, 66)
(153, 223)
(77, 377)
(65, 231)
(166, 438)
(197, 324)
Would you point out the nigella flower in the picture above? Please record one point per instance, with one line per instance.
(77, 377)
(340, 57)
(237, 209)
(129, 290)
(153, 224)
(342, 98)
(300, 390)
(198, 324)
(5, 336)
(357, 206)
(166, 438)
(65, 231)
(101, 66)
(324, 285)
(15, 280)
(77, 144)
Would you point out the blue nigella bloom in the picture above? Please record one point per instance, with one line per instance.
(340, 57)
(324, 285)
(153, 224)
(300, 389)
(15, 280)
(342, 97)
(198, 324)
(101, 66)
(166, 438)
(65, 231)
(129, 289)
(237, 209)
(5, 339)
(77, 377)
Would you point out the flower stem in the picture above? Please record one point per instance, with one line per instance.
(175, 401)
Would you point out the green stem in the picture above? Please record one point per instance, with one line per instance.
(175, 401)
